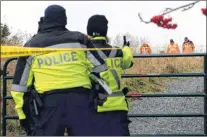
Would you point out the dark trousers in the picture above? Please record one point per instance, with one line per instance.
(75, 111)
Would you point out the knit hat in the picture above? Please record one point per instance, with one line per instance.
(55, 14)
(97, 25)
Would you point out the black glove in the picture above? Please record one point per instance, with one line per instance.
(128, 44)
(100, 95)
(26, 126)
(125, 90)
(100, 99)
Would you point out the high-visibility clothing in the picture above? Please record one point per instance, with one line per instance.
(188, 47)
(56, 70)
(173, 49)
(145, 49)
(116, 60)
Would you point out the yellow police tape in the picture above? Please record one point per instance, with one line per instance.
(16, 51)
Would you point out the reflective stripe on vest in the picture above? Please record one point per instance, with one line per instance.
(116, 78)
(22, 86)
(114, 73)
(103, 56)
(115, 94)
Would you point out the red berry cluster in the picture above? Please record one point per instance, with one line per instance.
(204, 11)
(163, 22)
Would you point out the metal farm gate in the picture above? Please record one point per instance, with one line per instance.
(6, 117)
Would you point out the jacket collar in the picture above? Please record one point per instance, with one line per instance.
(99, 38)
(51, 26)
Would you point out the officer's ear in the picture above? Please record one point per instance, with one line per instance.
(90, 37)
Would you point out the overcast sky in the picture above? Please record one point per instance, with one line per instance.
(122, 16)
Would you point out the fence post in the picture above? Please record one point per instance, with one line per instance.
(4, 94)
(1, 74)
(205, 97)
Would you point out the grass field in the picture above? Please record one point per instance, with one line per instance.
(139, 85)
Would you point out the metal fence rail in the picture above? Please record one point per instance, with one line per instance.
(6, 117)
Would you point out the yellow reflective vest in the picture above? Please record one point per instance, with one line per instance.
(55, 70)
(117, 60)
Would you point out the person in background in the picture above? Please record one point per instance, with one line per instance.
(173, 48)
(145, 49)
(188, 46)
(112, 118)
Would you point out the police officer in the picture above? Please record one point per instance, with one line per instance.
(112, 115)
(61, 79)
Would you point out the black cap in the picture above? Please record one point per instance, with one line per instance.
(97, 25)
(171, 40)
(55, 14)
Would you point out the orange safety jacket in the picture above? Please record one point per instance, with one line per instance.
(173, 49)
(145, 49)
(188, 47)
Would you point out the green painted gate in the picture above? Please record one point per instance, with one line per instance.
(5, 97)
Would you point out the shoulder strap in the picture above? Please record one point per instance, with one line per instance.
(113, 53)
(102, 54)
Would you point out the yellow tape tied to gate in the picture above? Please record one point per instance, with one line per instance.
(15, 51)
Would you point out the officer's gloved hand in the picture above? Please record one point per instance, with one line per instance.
(100, 99)
(128, 44)
(100, 95)
(125, 90)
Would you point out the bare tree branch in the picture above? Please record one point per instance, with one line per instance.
(166, 9)
(170, 10)
(141, 19)
(189, 6)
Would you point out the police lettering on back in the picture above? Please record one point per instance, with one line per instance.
(57, 59)
(116, 63)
